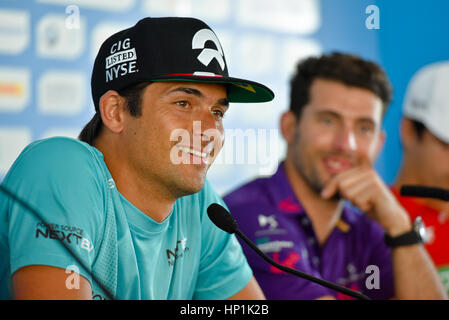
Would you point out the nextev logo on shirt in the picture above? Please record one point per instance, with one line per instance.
(121, 61)
(69, 234)
(178, 251)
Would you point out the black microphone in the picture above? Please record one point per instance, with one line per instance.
(224, 220)
(424, 192)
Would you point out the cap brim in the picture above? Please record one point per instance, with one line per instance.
(239, 90)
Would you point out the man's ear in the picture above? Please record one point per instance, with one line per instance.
(381, 143)
(288, 124)
(112, 110)
(408, 134)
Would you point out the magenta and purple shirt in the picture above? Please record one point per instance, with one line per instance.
(354, 255)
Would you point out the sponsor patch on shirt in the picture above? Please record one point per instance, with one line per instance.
(68, 234)
(275, 246)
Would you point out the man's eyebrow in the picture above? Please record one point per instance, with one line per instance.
(328, 113)
(367, 120)
(187, 90)
(223, 102)
(338, 116)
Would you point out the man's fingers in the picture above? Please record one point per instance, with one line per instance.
(361, 195)
(357, 178)
(330, 189)
(343, 180)
(356, 187)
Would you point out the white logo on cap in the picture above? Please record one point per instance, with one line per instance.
(207, 54)
(121, 61)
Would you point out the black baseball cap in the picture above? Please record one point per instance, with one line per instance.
(168, 49)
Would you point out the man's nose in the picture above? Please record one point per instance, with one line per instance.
(346, 140)
(206, 127)
(207, 118)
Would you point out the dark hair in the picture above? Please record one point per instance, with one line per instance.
(133, 97)
(346, 68)
(419, 128)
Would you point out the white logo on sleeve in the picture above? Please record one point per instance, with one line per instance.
(207, 54)
(270, 220)
(86, 245)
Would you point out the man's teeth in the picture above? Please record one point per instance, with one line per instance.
(194, 152)
(334, 164)
(208, 149)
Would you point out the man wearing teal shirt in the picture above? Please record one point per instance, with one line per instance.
(122, 213)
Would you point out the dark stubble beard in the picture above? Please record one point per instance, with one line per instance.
(307, 170)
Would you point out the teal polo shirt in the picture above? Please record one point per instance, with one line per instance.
(128, 253)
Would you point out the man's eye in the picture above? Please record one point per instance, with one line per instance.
(182, 103)
(218, 113)
(366, 129)
(326, 120)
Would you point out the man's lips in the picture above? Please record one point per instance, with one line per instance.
(335, 164)
(192, 151)
(201, 156)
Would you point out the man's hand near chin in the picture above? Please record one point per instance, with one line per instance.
(415, 275)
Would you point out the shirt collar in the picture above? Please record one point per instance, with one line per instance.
(283, 194)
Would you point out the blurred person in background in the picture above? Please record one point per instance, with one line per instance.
(326, 211)
(425, 143)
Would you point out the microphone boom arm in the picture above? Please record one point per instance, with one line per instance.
(327, 284)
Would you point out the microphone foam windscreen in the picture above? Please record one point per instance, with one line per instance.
(221, 218)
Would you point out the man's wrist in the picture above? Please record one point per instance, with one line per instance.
(399, 226)
(416, 235)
